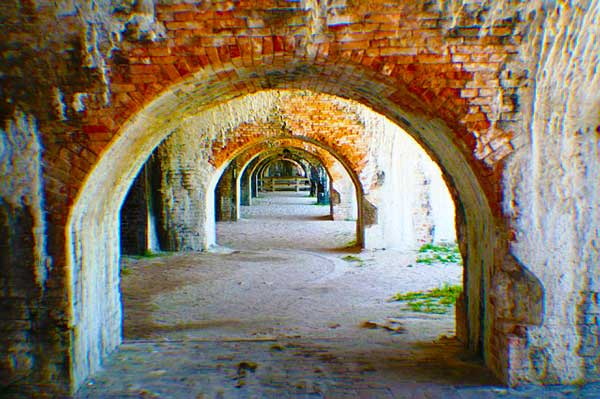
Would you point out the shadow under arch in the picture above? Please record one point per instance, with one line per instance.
(92, 231)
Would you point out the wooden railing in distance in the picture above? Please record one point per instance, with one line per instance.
(291, 183)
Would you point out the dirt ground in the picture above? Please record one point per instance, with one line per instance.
(275, 312)
(280, 272)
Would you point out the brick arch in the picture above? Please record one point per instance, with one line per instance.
(416, 109)
(262, 150)
(265, 161)
(438, 123)
(352, 158)
(249, 148)
(297, 164)
(336, 166)
(198, 93)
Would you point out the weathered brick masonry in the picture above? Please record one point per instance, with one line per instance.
(503, 96)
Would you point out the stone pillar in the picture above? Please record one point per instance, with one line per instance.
(343, 194)
(226, 195)
(246, 186)
(185, 222)
(134, 217)
(321, 186)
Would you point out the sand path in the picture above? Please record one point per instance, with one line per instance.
(283, 275)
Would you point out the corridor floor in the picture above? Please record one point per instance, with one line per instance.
(277, 312)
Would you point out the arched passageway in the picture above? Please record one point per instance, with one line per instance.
(87, 103)
(326, 172)
(293, 209)
(472, 209)
(316, 169)
(285, 274)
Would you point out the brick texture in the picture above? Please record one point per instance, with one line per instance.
(87, 75)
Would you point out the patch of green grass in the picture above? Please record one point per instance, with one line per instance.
(354, 259)
(409, 296)
(446, 253)
(125, 271)
(427, 306)
(447, 291)
(436, 301)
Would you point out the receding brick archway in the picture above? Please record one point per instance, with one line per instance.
(336, 165)
(93, 262)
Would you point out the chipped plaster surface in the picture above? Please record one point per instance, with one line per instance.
(552, 187)
(22, 186)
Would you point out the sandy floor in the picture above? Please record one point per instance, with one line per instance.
(279, 316)
(283, 276)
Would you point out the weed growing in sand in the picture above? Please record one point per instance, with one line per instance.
(442, 253)
(436, 301)
(354, 259)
